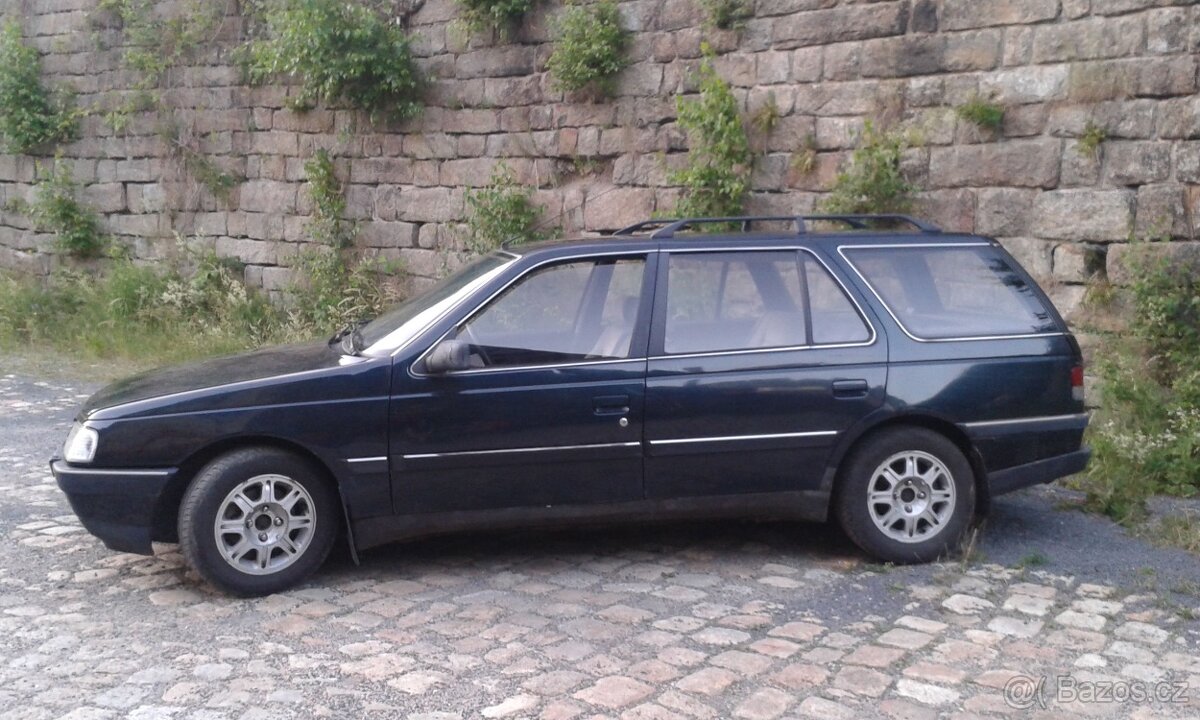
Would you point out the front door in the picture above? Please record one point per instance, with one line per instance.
(550, 412)
(759, 361)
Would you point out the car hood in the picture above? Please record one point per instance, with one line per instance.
(262, 364)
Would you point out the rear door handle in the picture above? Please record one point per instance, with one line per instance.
(611, 404)
(850, 388)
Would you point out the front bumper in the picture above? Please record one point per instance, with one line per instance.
(117, 506)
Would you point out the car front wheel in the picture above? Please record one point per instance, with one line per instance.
(257, 521)
(906, 495)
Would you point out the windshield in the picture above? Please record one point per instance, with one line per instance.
(401, 323)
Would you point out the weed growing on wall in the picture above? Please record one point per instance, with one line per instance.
(153, 45)
(503, 211)
(726, 14)
(872, 181)
(55, 208)
(339, 52)
(181, 146)
(717, 176)
(1146, 438)
(589, 48)
(32, 117)
(500, 16)
(1093, 137)
(336, 288)
(984, 114)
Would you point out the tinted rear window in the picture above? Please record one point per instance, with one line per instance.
(937, 293)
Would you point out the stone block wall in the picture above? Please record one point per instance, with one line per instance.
(1059, 67)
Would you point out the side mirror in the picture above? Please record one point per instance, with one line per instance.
(447, 356)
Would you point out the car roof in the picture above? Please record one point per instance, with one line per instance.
(667, 234)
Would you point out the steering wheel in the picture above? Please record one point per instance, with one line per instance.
(476, 346)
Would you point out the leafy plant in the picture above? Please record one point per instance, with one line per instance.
(153, 45)
(31, 116)
(498, 15)
(717, 176)
(1093, 137)
(55, 209)
(1146, 439)
(726, 14)
(335, 289)
(503, 211)
(872, 182)
(984, 114)
(589, 48)
(340, 52)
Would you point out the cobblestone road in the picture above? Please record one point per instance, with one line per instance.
(717, 620)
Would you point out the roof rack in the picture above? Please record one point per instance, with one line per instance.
(668, 227)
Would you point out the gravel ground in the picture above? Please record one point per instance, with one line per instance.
(702, 620)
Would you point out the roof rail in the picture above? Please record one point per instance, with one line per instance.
(668, 227)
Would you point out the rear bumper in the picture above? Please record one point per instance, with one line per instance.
(117, 506)
(1037, 473)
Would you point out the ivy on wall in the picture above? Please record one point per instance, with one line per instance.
(500, 16)
(32, 116)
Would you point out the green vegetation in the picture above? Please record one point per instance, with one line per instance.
(726, 14)
(804, 160)
(132, 312)
(1146, 438)
(197, 165)
(589, 48)
(502, 211)
(340, 52)
(717, 177)
(337, 288)
(766, 117)
(32, 117)
(498, 15)
(872, 182)
(1093, 137)
(986, 115)
(56, 209)
(1033, 559)
(153, 45)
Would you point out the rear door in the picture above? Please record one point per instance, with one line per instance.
(760, 359)
(551, 413)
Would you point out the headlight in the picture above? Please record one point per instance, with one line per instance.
(81, 444)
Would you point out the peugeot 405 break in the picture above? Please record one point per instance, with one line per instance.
(895, 380)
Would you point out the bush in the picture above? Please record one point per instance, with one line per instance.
(136, 312)
(872, 182)
(55, 209)
(501, 212)
(589, 49)
(31, 116)
(337, 289)
(498, 15)
(717, 177)
(987, 115)
(1146, 438)
(339, 51)
(726, 14)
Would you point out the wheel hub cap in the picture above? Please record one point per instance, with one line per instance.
(264, 524)
(911, 496)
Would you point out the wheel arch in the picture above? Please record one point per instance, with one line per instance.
(166, 512)
(928, 421)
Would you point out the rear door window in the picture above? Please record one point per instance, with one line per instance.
(947, 292)
(729, 301)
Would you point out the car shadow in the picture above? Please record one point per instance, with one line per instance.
(700, 542)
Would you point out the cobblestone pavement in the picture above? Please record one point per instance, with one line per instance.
(713, 620)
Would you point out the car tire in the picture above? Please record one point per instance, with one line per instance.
(906, 495)
(257, 521)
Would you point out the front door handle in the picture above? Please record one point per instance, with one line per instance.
(850, 388)
(611, 404)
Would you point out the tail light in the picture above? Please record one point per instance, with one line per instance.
(1077, 383)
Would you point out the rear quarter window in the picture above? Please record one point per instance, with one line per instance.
(942, 293)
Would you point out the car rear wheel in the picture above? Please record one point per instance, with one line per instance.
(258, 520)
(906, 495)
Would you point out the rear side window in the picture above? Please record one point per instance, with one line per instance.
(939, 293)
(721, 301)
